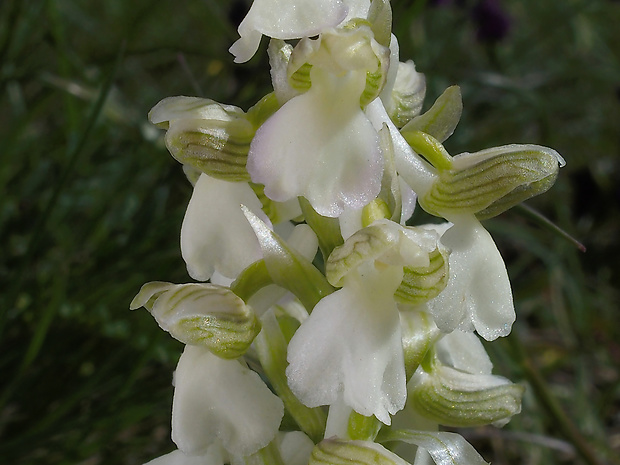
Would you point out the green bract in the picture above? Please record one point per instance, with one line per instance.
(419, 333)
(201, 314)
(441, 119)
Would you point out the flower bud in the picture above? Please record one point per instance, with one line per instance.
(407, 95)
(209, 136)
(201, 314)
(454, 398)
(491, 181)
(338, 451)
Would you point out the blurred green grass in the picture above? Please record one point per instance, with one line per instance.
(90, 212)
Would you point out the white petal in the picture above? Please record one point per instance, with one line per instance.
(215, 235)
(465, 352)
(295, 448)
(408, 198)
(478, 291)
(320, 145)
(350, 222)
(285, 19)
(357, 9)
(216, 399)
(350, 345)
(416, 172)
(179, 458)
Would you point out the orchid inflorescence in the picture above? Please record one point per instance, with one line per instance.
(324, 328)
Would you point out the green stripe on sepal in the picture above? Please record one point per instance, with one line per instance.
(441, 119)
(491, 181)
(209, 136)
(336, 451)
(300, 78)
(376, 78)
(455, 398)
(219, 149)
(201, 314)
(421, 284)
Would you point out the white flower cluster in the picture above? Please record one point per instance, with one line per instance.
(295, 357)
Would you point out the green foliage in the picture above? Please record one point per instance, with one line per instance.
(92, 204)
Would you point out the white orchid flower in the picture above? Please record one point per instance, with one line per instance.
(221, 400)
(215, 236)
(350, 346)
(320, 144)
(285, 19)
(478, 294)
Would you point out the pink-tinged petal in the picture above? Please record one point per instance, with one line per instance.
(320, 145)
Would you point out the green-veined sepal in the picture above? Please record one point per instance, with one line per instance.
(201, 314)
(455, 398)
(444, 448)
(351, 48)
(489, 182)
(421, 284)
(207, 135)
(336, 451)
(387, 243)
